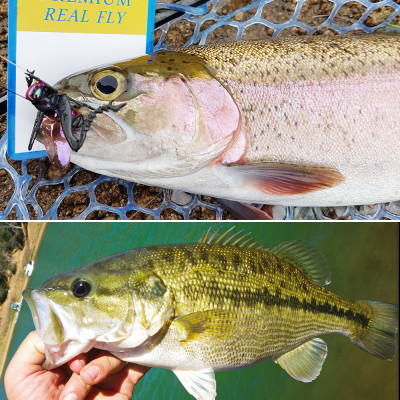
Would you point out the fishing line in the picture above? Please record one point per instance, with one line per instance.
(13, 63)
(12, 91)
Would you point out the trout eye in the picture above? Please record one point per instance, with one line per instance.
(108, 85)
(81, 288)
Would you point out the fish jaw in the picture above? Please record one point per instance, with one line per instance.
(59, 333)
(171, 124)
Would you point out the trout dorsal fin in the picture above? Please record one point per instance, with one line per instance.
(306, 258)
(230, 238)
(304, 363)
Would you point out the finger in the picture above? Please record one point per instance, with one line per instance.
(30, 353)
(125, 380)
(137, 372)
(75, 389)
(100, 368)
(101, 394)
(77, 363)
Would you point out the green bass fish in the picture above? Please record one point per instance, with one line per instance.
(226, 302)
(298, 121)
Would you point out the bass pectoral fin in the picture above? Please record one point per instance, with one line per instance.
(204, 326)
(200, 384)
(304, 363)
(281, 178)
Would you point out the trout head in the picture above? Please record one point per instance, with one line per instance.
(104, 305)
(175, 117)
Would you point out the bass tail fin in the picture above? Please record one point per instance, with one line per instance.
(379, 338)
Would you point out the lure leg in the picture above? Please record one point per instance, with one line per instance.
(65, 113)
(91, 117)
(36, 127)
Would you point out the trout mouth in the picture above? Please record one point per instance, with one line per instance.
(103, 128)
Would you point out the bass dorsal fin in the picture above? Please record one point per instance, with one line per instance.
(306, 258)
(230, 238)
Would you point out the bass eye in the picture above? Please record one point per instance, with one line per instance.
(108, 85)
(81, 288)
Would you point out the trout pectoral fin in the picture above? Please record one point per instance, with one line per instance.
(203, 326)
(304, 363)
(283, 179)
(200, 384)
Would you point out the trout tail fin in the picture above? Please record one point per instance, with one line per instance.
(379, 337)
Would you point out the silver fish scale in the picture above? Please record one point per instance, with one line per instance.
(182, 204)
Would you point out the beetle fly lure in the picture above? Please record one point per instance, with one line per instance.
(65, 124)
(50, 103)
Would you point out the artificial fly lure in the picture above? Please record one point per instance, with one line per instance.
(61, 109)
(54, 105)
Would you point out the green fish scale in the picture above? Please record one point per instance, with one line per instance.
(263, 305)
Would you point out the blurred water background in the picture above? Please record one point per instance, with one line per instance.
(364, 263)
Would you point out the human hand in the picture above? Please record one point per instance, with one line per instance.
(95, 375)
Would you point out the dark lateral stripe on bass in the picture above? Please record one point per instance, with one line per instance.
(313, 306)
(269, 299)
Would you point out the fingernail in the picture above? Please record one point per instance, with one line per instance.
(71, 396)
(93, 372)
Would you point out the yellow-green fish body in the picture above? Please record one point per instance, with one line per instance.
(208, 306)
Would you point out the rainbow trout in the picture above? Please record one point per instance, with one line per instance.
(219, 304)
(307, 121)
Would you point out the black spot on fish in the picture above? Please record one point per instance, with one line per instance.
(236, 260)
(198, 275)
(151, 263)
(203, 255)
(294, 302)
(313, 303)
(171, 59)
(305, 287)
(222, 261)
(169, 68)
(361, 319)
(283, 285)
(253, 265)
(279, 265)
(168, 257)
(349, 314)
(188, 256)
